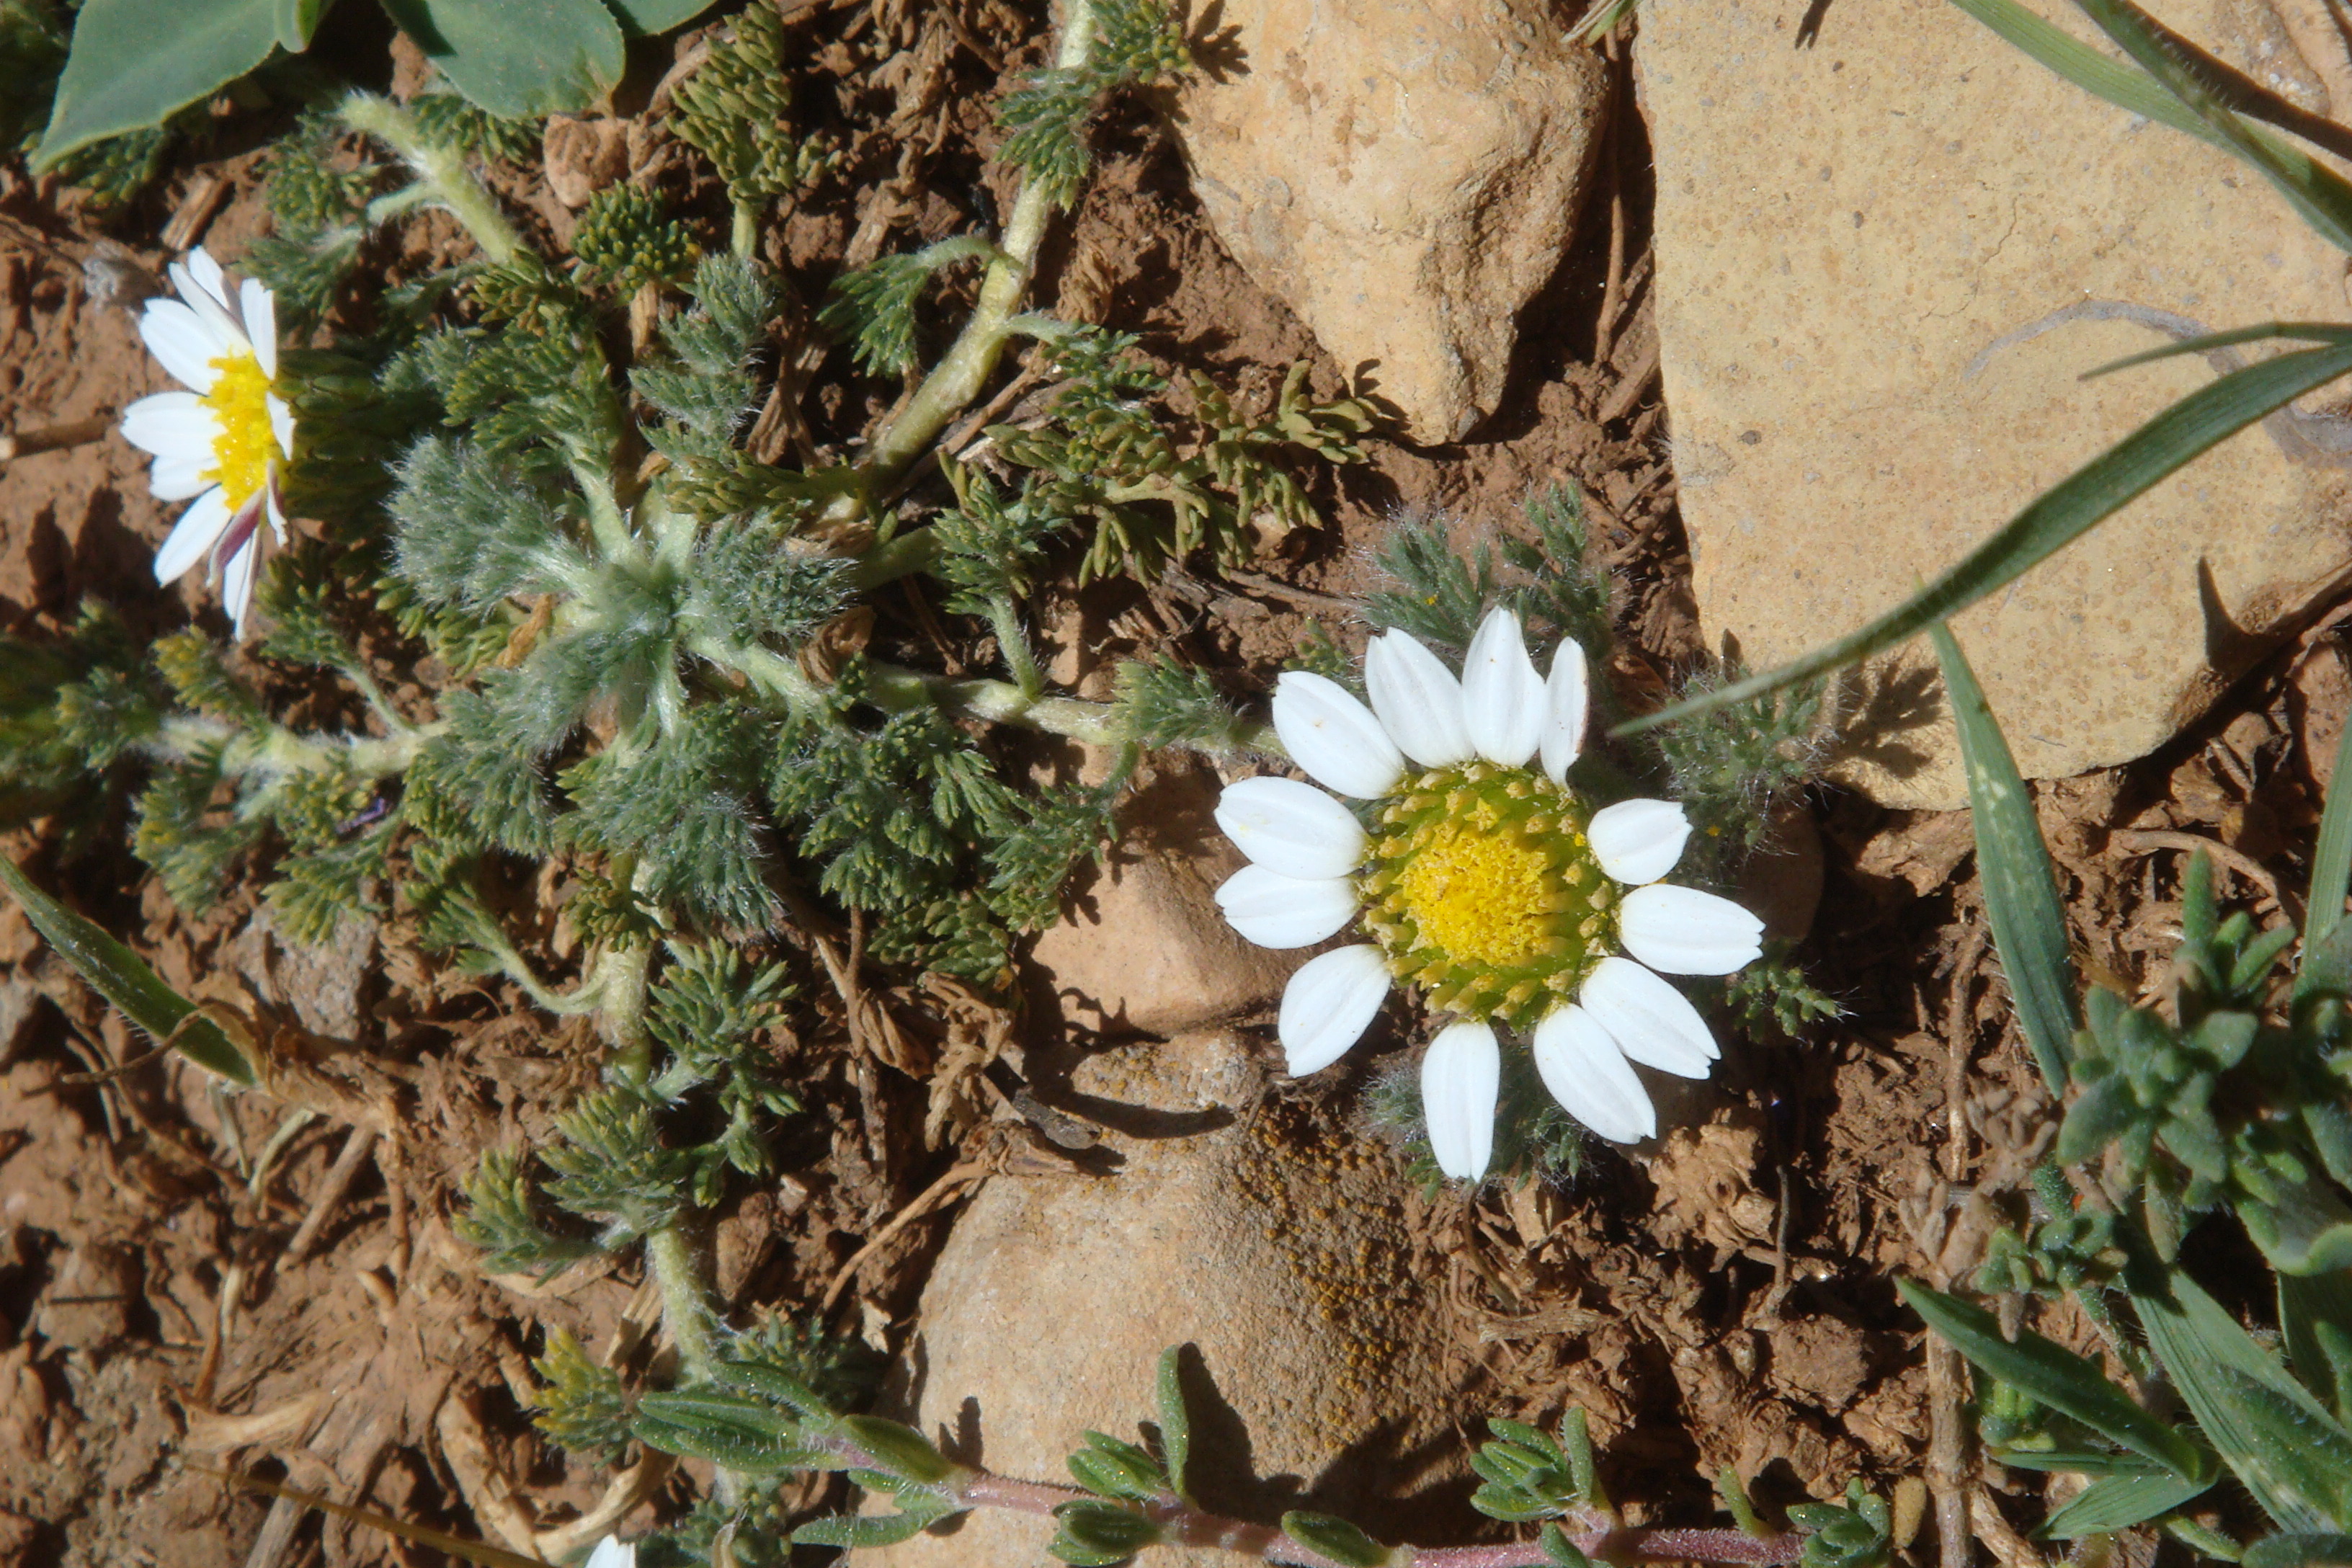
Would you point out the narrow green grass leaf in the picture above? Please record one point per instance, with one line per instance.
(122, 977)
(2055, 519)
(2302, 1551)
(2289, 1452)
(2264, 331)
(2021, 890)
(2318, 193)
(2058, 1378)
(2119, 1502)
(2315, 1321)
(2331, 862)
(2128, 88)
(2077, 1461)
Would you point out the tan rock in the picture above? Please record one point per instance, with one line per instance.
(584, 156)
(1403, 177)
(1842, 229)
(1259, 1232)
(1142, 949)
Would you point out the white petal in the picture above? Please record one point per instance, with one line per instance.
(176, 477)
(1333, 737)
(1418, 700)
(1502, 695)
(1290, 827)
(1638, 841)
(276, 507)
(1681, 930)
(282, 422)
(1329, 1005)
(193, 535)
(1565, 700)
(1459, 1080)
(182, 342)
(237, 582)
(1275, 910)
(171, 424)
(1589, 1077)
(1650, 1020)
(261, 325)
(613, 1553)
(199, 264)
(208, 300)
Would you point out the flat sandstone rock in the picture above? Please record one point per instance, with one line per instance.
(1403, 177)
(1845, 224)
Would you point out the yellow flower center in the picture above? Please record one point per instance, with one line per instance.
(1480, 897)
(242, 451)
(1484, 891)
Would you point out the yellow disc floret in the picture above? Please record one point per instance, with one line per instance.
(1479, 897)
(239, 400)
(1485, 892)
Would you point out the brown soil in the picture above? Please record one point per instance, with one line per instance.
(1725, 1302)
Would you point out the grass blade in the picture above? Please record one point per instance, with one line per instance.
(2021, 891)
(2119, 1502)
(2055, 519)
(122, 977)
(2288, 1450)
(2319, 194)
(2058, 1378)
(2264, 331)
(2331, 862)
(2136, 92)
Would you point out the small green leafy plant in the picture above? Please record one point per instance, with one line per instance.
(2230, 1102)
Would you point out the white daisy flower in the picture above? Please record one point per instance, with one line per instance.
(613, 1553)
(222, 443)
(1485, 881)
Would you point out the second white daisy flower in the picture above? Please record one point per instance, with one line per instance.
(221, 443)
(1486, 882)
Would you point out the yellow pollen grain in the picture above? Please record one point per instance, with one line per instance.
(241, 452)
(1478, 898)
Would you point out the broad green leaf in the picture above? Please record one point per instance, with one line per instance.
(2316, 192)
(2288, 1450)
(297, 23)
(2331, 862)
(519, 57)
(2058, 1378)
(2056, 519)
(644, 18)
(2120, 1501)
(135, 61)
(1096, 1535)
(2119, 83)
(2021, 891)
(896, 1448)
(122, 977)
(2315, 1319)
(1176, 1421)
(2306, 1231)
(2300, 1551)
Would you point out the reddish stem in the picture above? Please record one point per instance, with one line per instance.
(1598, 1539)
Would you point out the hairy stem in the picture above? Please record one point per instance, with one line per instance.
(1595, 1535)
(692, 1321)
(440, 170)
(958, 378)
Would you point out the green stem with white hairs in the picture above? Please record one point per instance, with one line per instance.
(442, 178)
(957, 380)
